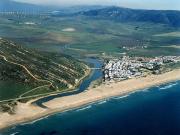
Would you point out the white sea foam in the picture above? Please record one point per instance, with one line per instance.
(14, 133)
(84, 108)
(168, 86)
(29, 123)
(122, 96)
(13, 127)
(102, 102)
(146, 90)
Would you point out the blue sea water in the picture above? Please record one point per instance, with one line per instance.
(153, 111)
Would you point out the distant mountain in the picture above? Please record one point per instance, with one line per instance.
(170, 17)
(64, 11)
(10, 6)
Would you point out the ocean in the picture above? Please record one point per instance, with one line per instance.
(152, 111)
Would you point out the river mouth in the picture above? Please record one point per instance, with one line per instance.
(95, 74)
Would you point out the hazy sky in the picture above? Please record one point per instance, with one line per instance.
(143, 4)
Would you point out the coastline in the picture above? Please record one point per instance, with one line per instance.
(27, 112)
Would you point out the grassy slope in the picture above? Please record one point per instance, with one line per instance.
(59, 69)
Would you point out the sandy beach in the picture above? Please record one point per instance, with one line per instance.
(26, 112)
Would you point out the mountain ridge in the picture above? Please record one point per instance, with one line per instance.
(13, 6)
(170, 17)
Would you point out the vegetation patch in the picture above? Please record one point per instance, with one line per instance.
(34, 73)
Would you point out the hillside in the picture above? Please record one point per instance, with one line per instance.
(10, 6)
(40, 71)
(15, 6)
(169, 17)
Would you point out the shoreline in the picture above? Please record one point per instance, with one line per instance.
(26, 112)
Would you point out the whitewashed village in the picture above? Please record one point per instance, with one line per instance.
(131, 67)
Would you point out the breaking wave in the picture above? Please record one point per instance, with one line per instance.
(168, 86)
(122, 96)
(101, 102)
(14, 133)
(84, 108)
(28, 123)
(145, 90)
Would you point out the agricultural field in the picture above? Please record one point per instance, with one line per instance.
(93, 36)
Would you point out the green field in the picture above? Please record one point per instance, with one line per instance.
(93, 36)
(10, 89)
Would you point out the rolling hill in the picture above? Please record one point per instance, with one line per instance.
(43, 72)
(170, 17)
(13, 6)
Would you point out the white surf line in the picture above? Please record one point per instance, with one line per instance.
(84, 108)
(14, 133)
(102, 102)
(168, 86)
